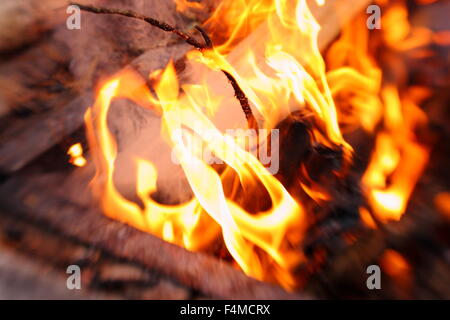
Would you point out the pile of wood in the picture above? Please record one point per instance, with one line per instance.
(46, 206)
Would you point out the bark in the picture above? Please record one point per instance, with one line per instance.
(24, 21)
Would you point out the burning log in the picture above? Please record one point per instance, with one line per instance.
(29, 198)
(13, 159)
(324, 219)
(203, 47)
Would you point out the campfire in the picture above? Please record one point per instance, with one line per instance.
(285, 147)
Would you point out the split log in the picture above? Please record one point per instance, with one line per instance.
(31, 199)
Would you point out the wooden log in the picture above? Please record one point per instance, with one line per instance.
(24, 76)
(30, 198)
(34, 281)
(102, 276)
(24, 141)
(24, 21)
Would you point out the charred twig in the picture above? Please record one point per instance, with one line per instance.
(239, 94)
(243, 100)
(127, 13)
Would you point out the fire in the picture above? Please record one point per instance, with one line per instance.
(76, 155)
(183, 5)
(398, 158)
(394, 264)
(278, 77)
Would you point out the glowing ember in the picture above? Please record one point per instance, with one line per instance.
(442, 203)
(393, 263)
(76, 155)
(397, 267)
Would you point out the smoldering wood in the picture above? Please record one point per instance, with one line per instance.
(31, 199)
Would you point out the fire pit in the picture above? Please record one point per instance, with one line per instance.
(254, 149)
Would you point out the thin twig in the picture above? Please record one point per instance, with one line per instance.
(127, 13)
(243, 100)
(239, 94)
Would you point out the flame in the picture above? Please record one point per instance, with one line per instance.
(398, 159)
(194, 224)
(233, 20)
(184, 5)
(355, 77)
(76, 155)
(278, 77)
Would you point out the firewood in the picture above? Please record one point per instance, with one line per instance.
(22, 142)
(102, 276)
(107, 43)
(30, 198)
(330, 15)
(31, 77)
(23, 21)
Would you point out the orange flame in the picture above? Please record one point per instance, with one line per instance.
(183, 5)
(187, 224)
(278, 77)
(398, 159)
